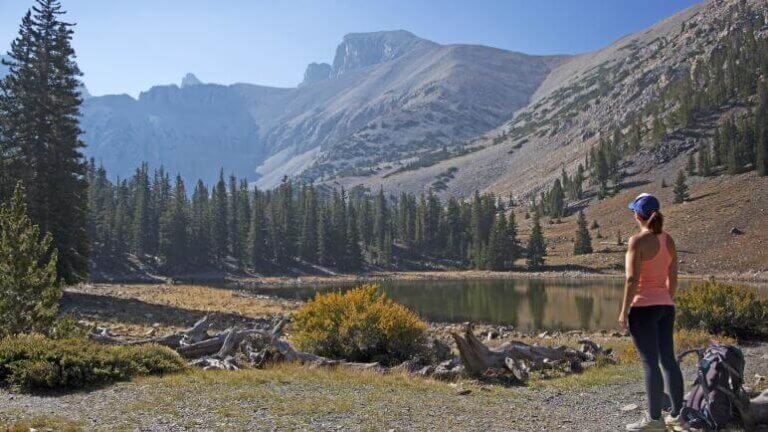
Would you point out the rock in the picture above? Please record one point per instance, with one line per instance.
(463, 392)
(629, 407)
(735, 231)
(441, 350)
(425, 371)
(190, 80)
(316, 72)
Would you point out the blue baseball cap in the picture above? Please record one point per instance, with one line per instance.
(645, 205)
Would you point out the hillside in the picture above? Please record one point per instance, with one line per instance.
(581, 104)
(388, 97)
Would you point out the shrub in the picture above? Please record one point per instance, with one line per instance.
(29, 290)
(358, 325)
(718, 308)
(34, 362)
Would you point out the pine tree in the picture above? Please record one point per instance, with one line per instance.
(513, 244)
(173, 229)
(705, 160)
(219, 220)
(478, 232)
(537, 249)
(681, 188)
(308, 237)
(690, 167)
(29, 290)
(200, 226)
(381, 228)
(353, 252)
(325, 252)
(235, 223)
(39, 144)
(498, 244)
(257, 232)
(583, 243)
(140, 225)
(159, 199)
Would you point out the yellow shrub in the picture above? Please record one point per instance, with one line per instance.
(722, 309)
(358, 325)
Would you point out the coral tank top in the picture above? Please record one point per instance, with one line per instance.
(652, 285)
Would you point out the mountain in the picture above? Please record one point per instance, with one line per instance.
(641, 84)
(583, 100)
(387, 99)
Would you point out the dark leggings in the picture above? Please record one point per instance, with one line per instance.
(652, 328)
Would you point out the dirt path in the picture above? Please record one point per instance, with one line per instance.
(292, 398)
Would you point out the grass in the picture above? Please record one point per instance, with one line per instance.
(43, 424)
(294, 397)
(199, 297)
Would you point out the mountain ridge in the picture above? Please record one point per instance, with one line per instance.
(384, 90)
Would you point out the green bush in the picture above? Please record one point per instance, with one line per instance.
(359, 325)
(731, 310)
(34, 362)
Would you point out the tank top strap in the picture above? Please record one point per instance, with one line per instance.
(663, 246)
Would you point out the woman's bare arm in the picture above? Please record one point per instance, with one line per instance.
(672, 278)
(630, 285)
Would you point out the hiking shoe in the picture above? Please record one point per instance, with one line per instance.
(675, 422)
(647, 424)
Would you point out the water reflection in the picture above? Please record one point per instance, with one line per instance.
(530, 304)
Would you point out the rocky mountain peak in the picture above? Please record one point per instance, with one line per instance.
(358, 50)
(190, 80)
(316, 72)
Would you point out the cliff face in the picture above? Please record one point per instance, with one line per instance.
(359, 50)
(316, 72)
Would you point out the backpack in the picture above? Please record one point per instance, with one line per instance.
(714, 397)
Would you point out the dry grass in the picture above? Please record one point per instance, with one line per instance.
(701, 227)
(136, 310)
(43, 424)
(200, 298)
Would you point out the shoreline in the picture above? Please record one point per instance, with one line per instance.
(754, 279)
(758, 279)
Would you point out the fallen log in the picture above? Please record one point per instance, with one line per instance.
(214, 344)
(518, 357)
(196, 333)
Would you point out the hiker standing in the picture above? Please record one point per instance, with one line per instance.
(648, 309)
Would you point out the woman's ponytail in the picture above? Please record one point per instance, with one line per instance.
(656, 222)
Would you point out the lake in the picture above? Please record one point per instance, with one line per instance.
(528, 304)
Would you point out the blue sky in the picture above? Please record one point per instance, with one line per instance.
(126, 46)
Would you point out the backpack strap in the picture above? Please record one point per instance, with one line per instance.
(699, 352)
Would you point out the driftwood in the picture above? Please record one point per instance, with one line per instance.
(196, 333)
(521, 358)
(233, 348)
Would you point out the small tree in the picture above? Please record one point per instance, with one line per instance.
(537, 248)
(681, 188)
(29, 288)
(583, 243)
(691, 166)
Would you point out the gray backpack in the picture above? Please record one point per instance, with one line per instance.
(714, 396)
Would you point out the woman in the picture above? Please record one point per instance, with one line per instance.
(649, 310)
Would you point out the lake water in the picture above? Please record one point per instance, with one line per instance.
(529, 304)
